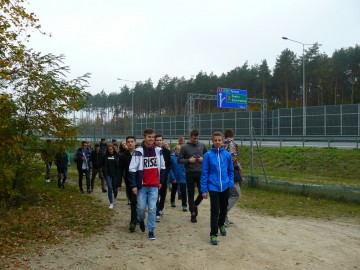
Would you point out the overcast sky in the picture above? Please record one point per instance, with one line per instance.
(138, 39)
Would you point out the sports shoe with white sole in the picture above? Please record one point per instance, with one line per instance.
(228, 223)
(152, 236)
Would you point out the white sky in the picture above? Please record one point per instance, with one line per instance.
(141, 39)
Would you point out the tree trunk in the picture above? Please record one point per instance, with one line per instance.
(352, 92)
(335, 90)
(286, 96)
(263, 90)
(175, 105)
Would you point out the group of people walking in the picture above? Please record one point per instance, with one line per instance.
(149, 167)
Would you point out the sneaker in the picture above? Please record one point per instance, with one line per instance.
(173, 204)
(161, 212)
(47, 180)
(158, 218)
(142, 226)
(193, 219)
(228, 223)
(129, 202)
(132, 226)
(213, 240)
(152, 236)
(114, 201)
(104, 190)
(111, 206)
(222, 230)
(184, 209)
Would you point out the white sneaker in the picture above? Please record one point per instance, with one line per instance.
(161, 212)
(158, 218)
(228, 223)
(111, 206)
(47, 180)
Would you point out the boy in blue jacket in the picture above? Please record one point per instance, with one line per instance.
(217, 177)
(178, 179)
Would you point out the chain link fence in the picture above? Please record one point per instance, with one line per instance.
(334, 120)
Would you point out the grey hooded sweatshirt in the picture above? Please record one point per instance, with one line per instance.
(187, 151)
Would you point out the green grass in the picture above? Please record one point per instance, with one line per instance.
(279, 204)
(322, 166)
(54, 216)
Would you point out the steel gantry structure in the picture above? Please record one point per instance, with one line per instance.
(191, 105)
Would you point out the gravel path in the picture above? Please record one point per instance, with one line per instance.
(254, 242)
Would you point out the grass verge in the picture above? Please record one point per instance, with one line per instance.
(306, 165)
(57, 215)
(279, 204)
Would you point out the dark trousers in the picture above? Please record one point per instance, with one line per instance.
(48, 168)
(62, 173)
(218, 209)
(193, 178)
(174, 189)
(96, 171)
(162, 196)
(118, 181)
(128, 189)
(87, 176)
(133, 203)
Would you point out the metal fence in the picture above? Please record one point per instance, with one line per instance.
(335, 120)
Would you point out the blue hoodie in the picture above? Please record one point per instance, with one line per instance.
(217, 173)
(177, 171)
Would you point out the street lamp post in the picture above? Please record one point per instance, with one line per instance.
(132, 103)
(303, 88)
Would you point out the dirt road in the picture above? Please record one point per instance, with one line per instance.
(254, 242)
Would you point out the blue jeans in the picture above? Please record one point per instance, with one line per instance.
(147, 196)
(112, 187)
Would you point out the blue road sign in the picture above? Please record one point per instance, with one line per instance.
(231, 98)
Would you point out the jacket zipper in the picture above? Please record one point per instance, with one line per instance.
(218, 158)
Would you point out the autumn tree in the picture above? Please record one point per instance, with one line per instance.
(36, 99)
